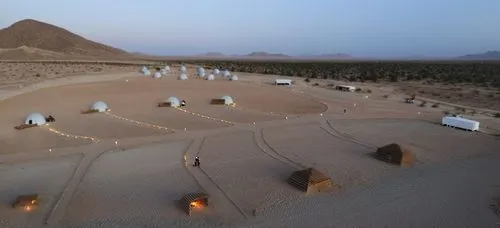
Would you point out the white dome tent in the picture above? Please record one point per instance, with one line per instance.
(99, 106)
(35, 118)
(167, 68)
(210, 77)
(183, 77)
(147, 73)
(157, 75)
(174, 101)
(227, 100)
(183, 69)
(216, 72)
(163, 72)
(233, 78)
(200, 72)
(144, 69)
(226, 73)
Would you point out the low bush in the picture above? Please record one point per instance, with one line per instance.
(423, 104)
(436, 105)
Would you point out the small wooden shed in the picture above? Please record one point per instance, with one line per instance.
(194, 201)
(396, 154)
(310, 181)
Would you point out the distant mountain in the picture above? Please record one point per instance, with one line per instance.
(265, 54)
(214, 54)
(31, 36)
(489, 55)
(327, 56)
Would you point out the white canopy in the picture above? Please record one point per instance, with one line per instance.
(226, 73)
(157, 75)
(167, 68)
(35, 118)
(183, 77)
(147, 73)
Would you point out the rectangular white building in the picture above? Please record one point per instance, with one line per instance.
(286, 82)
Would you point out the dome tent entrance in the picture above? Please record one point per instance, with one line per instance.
(35, 119)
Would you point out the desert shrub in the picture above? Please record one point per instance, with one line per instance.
(436, 94)
(496, 115)
(37, 75)
(421, 91)
(386, 96)
(330, 85)
(423, 104)
(358, 90)
(158, 69)
(369, 91)
(436, 105)
(459, 109)
(307, 80)
(294, 82)
(315, 84)
(446, 113)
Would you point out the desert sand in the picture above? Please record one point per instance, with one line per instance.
(140, 163)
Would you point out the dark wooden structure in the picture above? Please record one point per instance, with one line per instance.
(192, 201)
(24, 126)
(310, 180)
(396, 154)
(89, 111)
(164, 104)
(27, 202)
(218, 102)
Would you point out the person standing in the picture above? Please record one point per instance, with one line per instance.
(196, 161)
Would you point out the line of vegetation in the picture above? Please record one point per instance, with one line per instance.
(483, 73)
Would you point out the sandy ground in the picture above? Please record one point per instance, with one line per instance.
(244, 166)
(46, 177)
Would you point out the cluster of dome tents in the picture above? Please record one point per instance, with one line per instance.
(37, 119)
(183, 73)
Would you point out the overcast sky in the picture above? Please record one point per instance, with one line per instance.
(369, 28)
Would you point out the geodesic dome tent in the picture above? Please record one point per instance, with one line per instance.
(144, 69)
(200, 70)
(147, 73)
(167, 68)
(210, 77)
(227, 100)
(216, 71)
(99, 106)
(157, 75)
(163, 72)
(35, 118)
(183, 70)
(226, 73)
(200, 74)
(233, 78)
(173, 101)
(183, 77)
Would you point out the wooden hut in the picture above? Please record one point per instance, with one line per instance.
(194, 201)
(26, 202)
(310, 180)
(218, 102)
(396, 154)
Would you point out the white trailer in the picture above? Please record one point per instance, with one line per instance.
(459, 122)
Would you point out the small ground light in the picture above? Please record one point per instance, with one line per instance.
(286, 117)
(253, 123)
(321, 114)
(126, 80)
(354, 104)
(50, 150)
(116, 142)
(185, 129)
